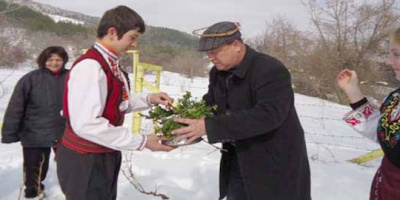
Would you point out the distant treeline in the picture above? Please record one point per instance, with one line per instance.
(35, 21)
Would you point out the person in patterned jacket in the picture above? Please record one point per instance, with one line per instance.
(382, 126)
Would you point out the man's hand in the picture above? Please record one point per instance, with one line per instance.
(153, 143)
(347, 81)
(161, 98)
(195, 128)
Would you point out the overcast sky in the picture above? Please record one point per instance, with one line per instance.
(187, 15)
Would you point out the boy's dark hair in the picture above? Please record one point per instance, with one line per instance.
(123, 19)
(46, 54)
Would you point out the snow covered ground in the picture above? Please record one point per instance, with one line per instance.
(57, 18)
(191, 172)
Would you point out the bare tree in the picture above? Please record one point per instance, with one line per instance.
(350, 29)
(348, 34)
(10, 55)
(294, 48)
(190, 64)
(352, 34)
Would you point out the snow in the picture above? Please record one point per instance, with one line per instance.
(191, 172)
(58, 18)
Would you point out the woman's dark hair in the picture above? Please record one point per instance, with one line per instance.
(123, 19)
(46, 54)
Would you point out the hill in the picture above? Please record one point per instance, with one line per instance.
(25, 31)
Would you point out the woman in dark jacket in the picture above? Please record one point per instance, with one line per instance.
(33, 116)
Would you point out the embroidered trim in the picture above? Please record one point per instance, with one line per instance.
(354, 118)
(352, 121)
(388, 128)
(367, 112)
(103, 49)
(116, 73)
(377, 184)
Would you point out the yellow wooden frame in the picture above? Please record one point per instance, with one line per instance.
(139, 70)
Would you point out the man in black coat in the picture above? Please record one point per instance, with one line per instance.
(264, 154)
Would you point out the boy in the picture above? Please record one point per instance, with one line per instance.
(96, 97)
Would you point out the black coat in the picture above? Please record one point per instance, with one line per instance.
(256, 115)
(33, 113)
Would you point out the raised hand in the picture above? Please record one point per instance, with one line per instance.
(347, 80)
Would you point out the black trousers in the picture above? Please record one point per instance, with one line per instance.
(36, 165)
(236, 190)
(89, 176)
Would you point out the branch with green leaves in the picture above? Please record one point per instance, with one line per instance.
(185, 107)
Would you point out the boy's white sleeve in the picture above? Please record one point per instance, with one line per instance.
(138, 102)
(364, 120)
(87, 94)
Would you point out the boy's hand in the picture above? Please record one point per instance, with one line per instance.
(161, 98)
(153, 143)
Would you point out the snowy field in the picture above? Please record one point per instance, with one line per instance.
(191, 172)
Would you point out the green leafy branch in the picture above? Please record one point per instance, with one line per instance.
(185, 107)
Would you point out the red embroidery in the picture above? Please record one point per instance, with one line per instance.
(392, 141)
(382, 134)
(367, 111)
(114, 69)
(353, 121)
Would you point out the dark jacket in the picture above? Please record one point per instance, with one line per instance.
(33, 113)
(256, 119)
